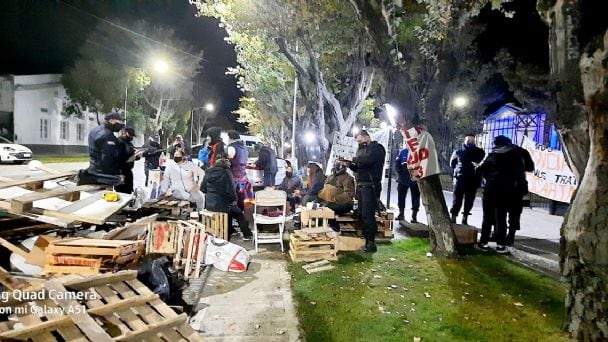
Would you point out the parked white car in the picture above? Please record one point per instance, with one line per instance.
(11, 152)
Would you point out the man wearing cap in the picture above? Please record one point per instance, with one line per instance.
(152, 151)
(126, 159)
(103, 152)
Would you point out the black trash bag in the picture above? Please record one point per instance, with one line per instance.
(159, 275)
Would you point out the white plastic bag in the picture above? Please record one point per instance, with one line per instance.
(225, 256)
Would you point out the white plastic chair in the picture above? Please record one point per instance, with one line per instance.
(269, 198)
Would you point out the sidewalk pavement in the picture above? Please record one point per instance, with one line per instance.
(255, 305)
(536, 244)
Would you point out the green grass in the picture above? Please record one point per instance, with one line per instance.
(477, 297)
(47, 159)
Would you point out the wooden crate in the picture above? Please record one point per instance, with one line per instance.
(89, 256)
(465, 235)
(162, 237)
(350, 243)
(176, 206)
(351, 224)
(116, 307)
(313, 249)
(215, 223)
(191, 248)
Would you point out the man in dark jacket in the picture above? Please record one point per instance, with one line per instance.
(126, 159)
(516, 208)
(466, 181)
(152, 151)
(292, 185)
(338, 192)
(103, 153)
(503, 172)
(405, 183)
(267, 160)
(220, 196)
(367, 165)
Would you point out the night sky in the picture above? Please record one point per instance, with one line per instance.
(45, 37)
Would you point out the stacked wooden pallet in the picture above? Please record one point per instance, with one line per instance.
(215, 223)
(311, 244)
(350, 224)
(90, 256)
(176, 206)
(102, 308)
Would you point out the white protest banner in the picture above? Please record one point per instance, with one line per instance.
(343, 147)
(422, 160)
(552, 178)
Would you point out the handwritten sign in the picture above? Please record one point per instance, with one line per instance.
(343, 147)
(552, 178)
(422, 160)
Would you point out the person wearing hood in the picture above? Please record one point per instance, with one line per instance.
(182, 180)
(221, 196)
(238, 155)
(152, 151)
(466, 181)
(292, 185)
(217, 149)
(267, 160)
(104, 145)
(315, 182)
(503, 172)
(338, 192)
(405, 183)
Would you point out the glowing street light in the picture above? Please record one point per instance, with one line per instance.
(287, 145)
(460, 101)
(392, 113)
(383, 125)
(355, 130)
(209, 107)
(309, 137)
(161, 66)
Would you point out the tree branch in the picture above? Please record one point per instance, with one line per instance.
(282, 44)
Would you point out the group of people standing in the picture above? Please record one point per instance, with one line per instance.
(503, 176)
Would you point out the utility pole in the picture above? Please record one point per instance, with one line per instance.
(293, 118)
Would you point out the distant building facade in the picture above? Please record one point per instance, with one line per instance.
(32, 113)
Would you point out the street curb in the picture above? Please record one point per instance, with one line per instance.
(545, 265)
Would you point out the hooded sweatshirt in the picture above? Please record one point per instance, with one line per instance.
(219, 189)
(185, 177)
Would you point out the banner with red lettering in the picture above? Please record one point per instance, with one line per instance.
(422, 160)
(552, 178)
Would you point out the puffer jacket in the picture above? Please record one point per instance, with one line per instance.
(345, 183)
(219, 189)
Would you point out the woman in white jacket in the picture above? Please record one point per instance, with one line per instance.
(182, 180)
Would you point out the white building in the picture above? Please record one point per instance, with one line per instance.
(32, 114)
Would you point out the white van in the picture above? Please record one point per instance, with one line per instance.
(249, 140)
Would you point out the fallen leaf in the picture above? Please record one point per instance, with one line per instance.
(427, 295)
(257, 326)
(394, 286)
(280, 332)
(402, 296)
(377, 276)
(392, 259)
(429, 254)
(417, 339)
(518, 304)
(313, 303)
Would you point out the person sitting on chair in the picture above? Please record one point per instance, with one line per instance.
(292, 185)
(338, 192)
(315, 182)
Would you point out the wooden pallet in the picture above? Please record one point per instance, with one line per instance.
(351, 224)
(162, 237)
(313, 249)
(168, 203)
(215, 223)
(89, 256)
(190, 248)
(117, 307)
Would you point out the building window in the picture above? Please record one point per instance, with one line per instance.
(44, 110)
(65, 130)
(80, 131)
(44, 128)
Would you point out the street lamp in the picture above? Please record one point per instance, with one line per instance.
(355, 130)
(460, 101)
(161, 66)
(309, 137)
(392, 116)
(209, 107)
(392, 113)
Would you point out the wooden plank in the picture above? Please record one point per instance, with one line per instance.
(125, 314)
(144, 333)
(58, 269)
(36, 329)
(13, 248)
(102, 279)
(25, 202)
(350, 243)
(86, 324)
(69, 331)
(25, 181)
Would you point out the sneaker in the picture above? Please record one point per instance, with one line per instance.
(400, 217)
(483, 246)
(502, 249)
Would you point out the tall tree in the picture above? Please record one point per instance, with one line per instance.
(578, 40)
(154, 67)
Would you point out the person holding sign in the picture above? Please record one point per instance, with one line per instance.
(367, 166)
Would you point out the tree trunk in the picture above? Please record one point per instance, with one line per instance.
(441, 234)
(584, 259)
(584, 129)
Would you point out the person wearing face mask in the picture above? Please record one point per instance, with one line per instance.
(182, 180)
(466, 181)
(292, 185)
(126, 159)
(103, 153)
(338, 192)
(367, 165)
